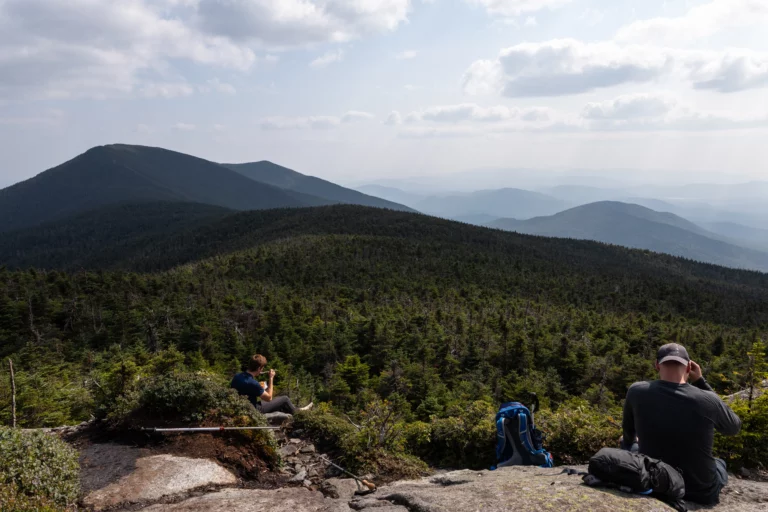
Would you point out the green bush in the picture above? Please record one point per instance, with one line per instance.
(38, 465)
(578, 430)
(197, 399)
(11, 500)
(194, 398)
(750, 447)
(467, 438)
(329, 432)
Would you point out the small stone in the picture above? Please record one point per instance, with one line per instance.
(288, 450)
(310, 448)
(307, 483)
(745, 473)
(313, 473)
(293, 440)
(299, 478)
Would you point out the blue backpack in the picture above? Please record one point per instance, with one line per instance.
(518, 441)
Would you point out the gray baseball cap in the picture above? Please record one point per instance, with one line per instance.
(673, 352)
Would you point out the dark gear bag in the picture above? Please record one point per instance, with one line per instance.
(637, 473)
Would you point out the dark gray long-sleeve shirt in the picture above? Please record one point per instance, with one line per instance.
(676, 423)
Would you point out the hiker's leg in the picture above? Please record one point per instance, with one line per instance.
(278, 404)
(721, 480)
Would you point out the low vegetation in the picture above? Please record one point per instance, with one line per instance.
(36, 470)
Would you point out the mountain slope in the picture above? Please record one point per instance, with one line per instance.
(639, 227)
(282, 177)
(505, 202)
(105, 233)
(120, 173)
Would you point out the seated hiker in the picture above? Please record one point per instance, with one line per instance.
(262, 394)
(675, 422)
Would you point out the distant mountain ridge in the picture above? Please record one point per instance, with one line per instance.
(282, 177)
(638, 227)
(120, 173)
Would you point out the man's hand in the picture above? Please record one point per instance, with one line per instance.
(272, 374)
(695, 372)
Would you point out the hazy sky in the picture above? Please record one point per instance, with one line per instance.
(364, 89)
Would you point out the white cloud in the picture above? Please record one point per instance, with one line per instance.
(217, 85)
(408, 54)
(185, 127)
(699, 22)
(356, 115)
(732, 71)
(299, 22)
(564, 66)
(567, 66)
(219, 127)
(394, 118)
(166, 90)
(517, 7)
(470, 112)
(530, 21)
(632, 106)
(327, 59)
(99, 48)
(592, 17)
(313, 122)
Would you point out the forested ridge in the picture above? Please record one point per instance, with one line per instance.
(356, 305)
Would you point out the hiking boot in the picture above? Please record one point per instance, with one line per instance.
(307, 407)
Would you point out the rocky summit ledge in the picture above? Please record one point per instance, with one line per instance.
(527, 489)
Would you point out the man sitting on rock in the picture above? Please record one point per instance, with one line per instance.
(676, 422)
(262, 394)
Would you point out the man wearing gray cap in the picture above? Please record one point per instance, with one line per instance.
(675, 421)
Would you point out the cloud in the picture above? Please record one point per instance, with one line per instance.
(633, 106)
(313, 122)
(592, 17)
(699, 22)
(530, 21)
(219, 127)
(143, 128)
(327, 59)
(285, 23)
(185, 127)
(356, 115)
(470, 112)
(567, 66)
(166, 90)
(394, 118)
(217, 85)
(733, 71)
(408, 54)
(564, 66)
(100, 48)
(509, 8)
(107, 48)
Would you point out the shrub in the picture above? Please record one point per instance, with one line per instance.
(11, 500)
(467, 438)
(329, 432)
(190, 398)
(750, 447)
(389, 466)
(39, 465)
(197, 399)
(578, 430)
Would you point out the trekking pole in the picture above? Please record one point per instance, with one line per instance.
(206, 429)
(370, 485)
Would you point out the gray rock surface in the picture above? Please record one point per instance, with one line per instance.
(527, 489)
(246, 500)
(157, 477)
(343, 488)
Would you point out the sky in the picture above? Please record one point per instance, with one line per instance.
(362, 90)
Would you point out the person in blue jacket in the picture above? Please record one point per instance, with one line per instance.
(262, 394)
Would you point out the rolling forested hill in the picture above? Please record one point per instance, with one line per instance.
(282, 177)
(635, 226)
